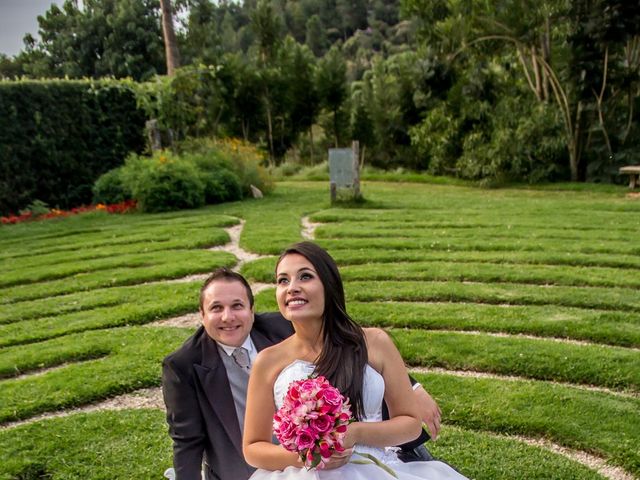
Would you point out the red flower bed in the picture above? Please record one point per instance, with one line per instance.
(122, 207)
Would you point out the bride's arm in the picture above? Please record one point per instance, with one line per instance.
(258, 421)
(404, 424)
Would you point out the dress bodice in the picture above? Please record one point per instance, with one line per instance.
(372, 392)
(359, 468)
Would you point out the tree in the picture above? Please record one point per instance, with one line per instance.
(11, 67)
(267, 27)
(316, 38)
(298, 66)
(360, 121)
(131, 48)
(170, 42)
(353, 15)
(572, 54)
(105, 37)
(201, 42)
(331, 82)
(246, 95)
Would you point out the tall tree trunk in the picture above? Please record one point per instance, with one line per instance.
(576, 142)
(170, 43)
(267, 102)
(245, 130)
(546, 55)
(536, 73)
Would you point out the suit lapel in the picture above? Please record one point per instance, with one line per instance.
(260, 340)
(215, 385)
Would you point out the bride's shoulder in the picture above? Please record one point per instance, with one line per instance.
(376, 337)
(273, 358)
(379, 345)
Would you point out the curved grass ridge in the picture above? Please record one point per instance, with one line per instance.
(200, 235)
(623, 299)
(540, 359)
(608, 425)
(130, 360)
(170, 265)
(475, 271)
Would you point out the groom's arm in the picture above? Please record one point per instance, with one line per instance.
(428, 407)
(186, 426)
(429, 411)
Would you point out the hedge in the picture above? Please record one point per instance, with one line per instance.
(58, 136)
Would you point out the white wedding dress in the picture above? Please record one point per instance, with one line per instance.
(373, 395)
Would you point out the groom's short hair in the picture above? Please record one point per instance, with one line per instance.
(226, 275)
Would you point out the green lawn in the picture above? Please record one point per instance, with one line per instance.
(537, 287)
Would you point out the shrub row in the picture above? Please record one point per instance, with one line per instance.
(58, 136)
(206, 172)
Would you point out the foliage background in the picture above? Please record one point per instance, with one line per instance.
(58, 136)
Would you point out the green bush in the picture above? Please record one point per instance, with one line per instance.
(243, 159)
(166, 184)
(522, 143)
(110, 188)
(220, 185)
(490, 131)
(436, 140)
(204, 172)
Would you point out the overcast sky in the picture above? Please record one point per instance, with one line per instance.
(17, 18)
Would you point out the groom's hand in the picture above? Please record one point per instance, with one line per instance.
(338, 459)
(429, 411)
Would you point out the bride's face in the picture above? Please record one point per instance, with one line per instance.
(299, 291)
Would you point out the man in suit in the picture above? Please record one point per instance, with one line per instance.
(204, 383)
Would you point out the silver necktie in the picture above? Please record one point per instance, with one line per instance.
(241, 356)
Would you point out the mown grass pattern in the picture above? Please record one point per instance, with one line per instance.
(132, 444)
(464, 279)
(129, 360)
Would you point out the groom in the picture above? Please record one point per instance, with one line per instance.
(204, 382)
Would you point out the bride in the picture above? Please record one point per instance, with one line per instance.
(363, 363)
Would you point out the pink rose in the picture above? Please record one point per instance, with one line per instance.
(306, 439)
(322, 424)
(325, 449)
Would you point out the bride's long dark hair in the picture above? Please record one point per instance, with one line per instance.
(344, 351)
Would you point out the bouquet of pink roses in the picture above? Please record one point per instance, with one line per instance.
(313, 420)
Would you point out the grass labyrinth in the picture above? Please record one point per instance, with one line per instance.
(534, 292)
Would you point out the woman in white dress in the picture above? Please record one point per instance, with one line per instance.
(363, 363)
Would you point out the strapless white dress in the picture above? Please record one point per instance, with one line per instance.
(373, 394)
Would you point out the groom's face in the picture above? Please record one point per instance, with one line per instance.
(226, 313)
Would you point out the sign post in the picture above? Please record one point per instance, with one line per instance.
(344, 171)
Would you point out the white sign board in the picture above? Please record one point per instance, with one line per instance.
(341, 167)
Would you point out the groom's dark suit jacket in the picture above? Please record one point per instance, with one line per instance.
(200, 411)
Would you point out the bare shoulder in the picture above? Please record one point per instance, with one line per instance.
(379, 344)
(268, 357)
(376, 338)
(271, 360)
